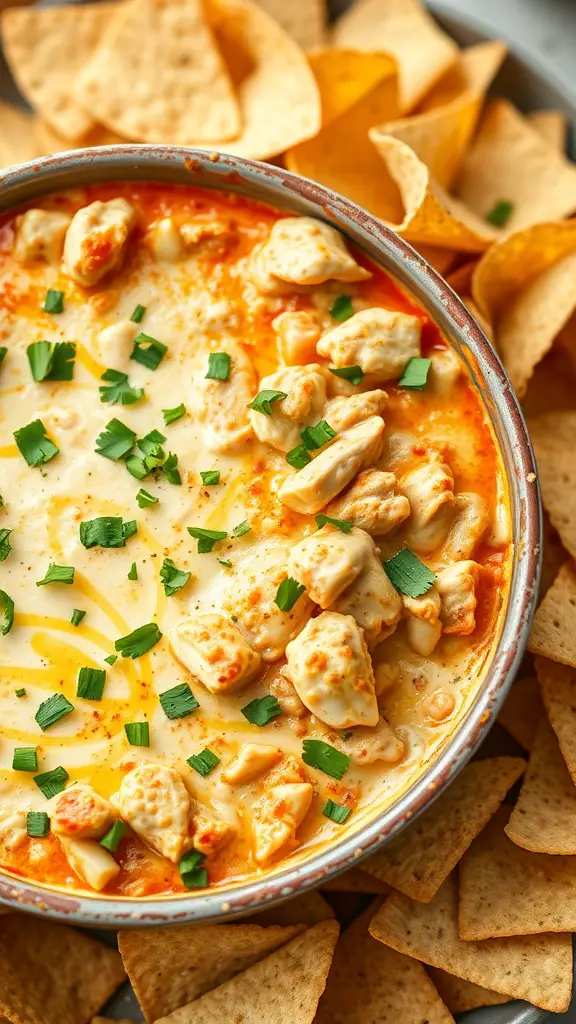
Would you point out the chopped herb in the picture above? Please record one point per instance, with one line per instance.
(34, 445)
(150, 442)
(178, 701)
(3, 353)
(342, 524)
(52, 783)
(172, 578)
(133, 572)
(408, 574)
(115, 441)
(171, 473)
(353, 374)
(106, 532)
(210, 477)
(57, 574)
(241, 529)
(21, 691)
(137, 734)
(52, 360)
(111, 659)
(263, 401)
(317, 436)
(321, 755)
(139, 641)
(415, 374)
(336, 812)
(145, 499)
(7, 613)
(206, 538)
(148, 351)
(500, 213)
(192, 874)
(52, 710)
(77, 616)
(37, 824)
(138, 314)
(218, 366)
(298, 457)
(262, 710)
(120, 390)
(130, 528)
(90, 684)
(54, 301)
(225, 563)
(111, 841)
(171, 415)
(5, 545)
(288, 593)
(25, 759)
(342, 308)
(204, 762)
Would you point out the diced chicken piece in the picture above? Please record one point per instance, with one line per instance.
(302, 252)
(444, 372)
(372, 601)
(82, 813)
(58, 417)
(276, 817)
(284, 691)
(208, 834)
(96, 240)
(423, 626)
(296, 336)
(165, 241)
(90, 861)
(457, 588)
(386, 676)
(40, 236)
(344, 412)
(13, 834)
(468, 527)
(313, 487)
(305, 390)
(252, 760)
(154, 801)
(208, 238)
(380, 341)
(214, 650)
(330, 667)
(370, 744)
(430, 491)
(221, 406)
(371, 503)
(438, 705)
(115, 342)
(328, 561)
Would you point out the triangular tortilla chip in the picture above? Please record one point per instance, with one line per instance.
(308, 908)
(169, 967)
(506, 890)
(53, 973)
(551, 388)
(46, 47)
(522, 710)
(533, 967)
(369, 983)
(552, 125)
(304, 20)
(553, 634)
(558, 688)
(461, 996)
(356, 880)
(418, 860)
(50, 142)
(554, 439)
(285, 987)
(404, 29)
(441, 259)
(344, 77)
(17, 140)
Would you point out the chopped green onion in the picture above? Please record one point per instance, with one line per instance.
(415, 374)
(139, 641)
(218, 366)
(298, 457)
(171, 415)
(77, 616)
(204, 762)
(206, 538)
(120, 390)
(5, 545)
(25, 759)
(342, 524)
(225, 562)
(149, 443)
(192, 874)
(178, 701)
(37, 824)
(54, 301)
(288, 593)
(353, 374)
(147, 351)
(210, 477)
(172, 578)
(137, 734)
(51, 360)
(138, 314)
(111, 841)
(336, 812)
(52, 710)
(52, 783)
(408, 574)
(318, 754)
(133, 572)
(115, 441)
(318, 435)
(241, 529)
(21, 691)
(145, 499)
(34, 445)
(263, 401)
(262, 710)
(7, 613)
(500, 213)
(342, 308)
(107, 532)
(170, 471)
(111, 659)
(90, 684)
(130, 527)
(57, 574)
(3, 353)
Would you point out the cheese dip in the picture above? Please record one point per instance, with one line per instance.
(254, 540)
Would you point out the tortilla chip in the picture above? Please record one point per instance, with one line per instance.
(481, 320)
(304, 20)
(356, 880)
(553, 634)
(558, 688)
(46, 47)
(533, 967)
(544, 817)
(552, 125)
(404, 29)
(308, 908)
(506, 890)
(344, 77)
(419, 860)
(460, 280)
(285, 987)
(109, 1020)
(53, 973)
(17, 142)
(554, 439)
(461, 996)
(50, 142)
(441, 259)
(169, 967)
(372, 984)
(440, 134)
(522, 710)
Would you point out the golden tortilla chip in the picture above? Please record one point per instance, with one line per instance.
(46, 47)
(356, 880)
(17, 142)
(553, 634)
(285, 987)
(369, 983)
(344, 77)
(533, 967)
(460, 280)
(544, 817)
(169, 967)
(552, 385)
(558, 688)
(522, 710)
(50, 142)
(552, 125)
(554, 553)
(304, 20)
(441, 259)
(419, 860)
(109, 1020)
(509, 160)
(440, 134)
(481, 320)
(52, 973)
(461, 996)
(506, 890)
(554, 439)
(404, 29)
(308, 908)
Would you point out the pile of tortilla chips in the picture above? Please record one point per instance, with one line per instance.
(474, 903)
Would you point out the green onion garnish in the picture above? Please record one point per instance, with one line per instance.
(263, 401)
(25, 759)
(171, 415)
(170, 470)
(321, 755)
(52, 710)
(204, 762)
(318, 435)
(415, 374)
(52, 783)
(133, 572)
(192, 874)
(54, 301)
(500, 213)
(106, 532)
(225, 562)
(336, 812)
(210, 477)
(173, 579)
(139, 641)
(37, 824)
(34, 445)
(138, 314)
(206, 538)
(218, 366)
(113, 837)
(148, 351)
(57, 574)
(7, 613)
(288, 593)
(353, 374)
(298, 457)
(111, 659)
(5, 545)
(77, 616)
(90, 683)
(178, 701)
(21, 691)
(342, 308)
(120, 390)
(342, 524)
(408, 574)
(52, 360)
(115, 441)
(262, 710)
(241, 529)
(138, 734)
(145, 499)
(3, 353)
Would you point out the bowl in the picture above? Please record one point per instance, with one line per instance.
(282, 189)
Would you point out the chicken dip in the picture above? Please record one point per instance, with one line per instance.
(255, 539)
